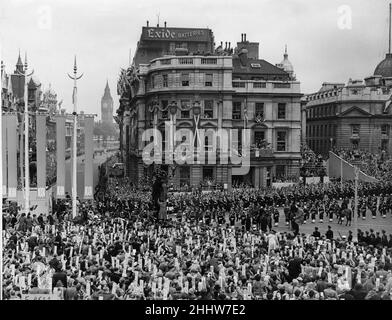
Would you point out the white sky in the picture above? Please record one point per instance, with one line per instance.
(101, 33)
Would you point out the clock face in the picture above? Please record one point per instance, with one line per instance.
(104, 105)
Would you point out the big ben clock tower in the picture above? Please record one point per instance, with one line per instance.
(107, 106)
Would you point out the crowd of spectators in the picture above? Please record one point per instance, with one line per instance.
(211, 249)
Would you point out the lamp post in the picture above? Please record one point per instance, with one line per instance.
(26, 137)
(74, 144)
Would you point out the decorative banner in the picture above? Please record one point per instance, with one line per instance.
(60, 156)
(88, 160)
(4, 155)
(41, 155)
(11, 159)
(340, 168)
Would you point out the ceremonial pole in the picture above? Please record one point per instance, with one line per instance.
(26, 137)
(355, 235)
(74, 144)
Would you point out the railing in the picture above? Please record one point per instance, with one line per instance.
(238, 84)
(259, 85)
(209, 61)
(185, 61)
(282, 85)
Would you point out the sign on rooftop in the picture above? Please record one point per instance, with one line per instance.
(176, 34)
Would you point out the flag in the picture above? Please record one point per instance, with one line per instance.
(88, 160)
(347, 172)
(60, 156)
(4, 155)
(74, 95)
(11, 156)
(41, 155)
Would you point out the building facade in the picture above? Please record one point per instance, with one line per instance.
(353, 115)
(207, 92)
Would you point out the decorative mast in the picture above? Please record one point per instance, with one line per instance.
(74, 144)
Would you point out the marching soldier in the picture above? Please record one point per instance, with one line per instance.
(313, 213)
(321, 211)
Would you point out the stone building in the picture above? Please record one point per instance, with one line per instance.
(212, 90)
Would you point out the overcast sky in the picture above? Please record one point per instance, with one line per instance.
(101, 33)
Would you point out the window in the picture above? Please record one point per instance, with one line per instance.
(259, 138)
(185, 79)
(165, 80)
(208, 80)
(384, 145)
(259, 111)
(184, 45)
(281, 111)
(172, 47)
(185, 174)
(185, 105)
(163, 139)
(208, 146)
(165, 112)
(236, 110)
(208, 109)
(153, 81)
(385, 129)
(208, 173)
(280, 171)
(281, 141)
(355, 129)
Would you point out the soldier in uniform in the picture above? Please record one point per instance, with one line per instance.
(363, 210)
(276, 216)
(313, 213)
(306, 213)
(286, 211)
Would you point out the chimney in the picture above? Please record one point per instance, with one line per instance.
(229, 45)
(221, 44)
(244, 37)
(165, 24)
(148, 24)
(225, 45)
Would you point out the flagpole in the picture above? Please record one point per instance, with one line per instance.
(355, 235)
(341, 173)
(74, 144)
(26, 138)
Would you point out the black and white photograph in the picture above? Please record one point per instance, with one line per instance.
(213, 152)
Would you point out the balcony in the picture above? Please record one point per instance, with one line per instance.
(193, 62)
